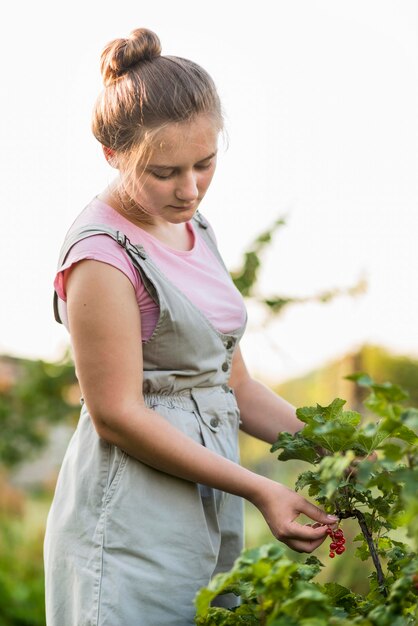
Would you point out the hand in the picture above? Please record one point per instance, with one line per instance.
(281, 506)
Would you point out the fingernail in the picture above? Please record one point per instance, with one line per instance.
(333, 518)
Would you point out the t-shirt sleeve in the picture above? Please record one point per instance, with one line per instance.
(97, 248)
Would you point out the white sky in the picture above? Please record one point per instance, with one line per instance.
(321, 100)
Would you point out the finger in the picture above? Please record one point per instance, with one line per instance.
(312, 511)
(296, 531)
(305, 546)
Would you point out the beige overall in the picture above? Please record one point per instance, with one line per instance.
(125, 544)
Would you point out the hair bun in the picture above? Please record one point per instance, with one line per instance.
(121, 54)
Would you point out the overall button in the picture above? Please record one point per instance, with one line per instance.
(225, 367)
(214, 422)
(229, 344)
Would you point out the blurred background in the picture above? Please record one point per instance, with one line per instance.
(320, 102)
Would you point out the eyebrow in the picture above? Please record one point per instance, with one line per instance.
(172, 167)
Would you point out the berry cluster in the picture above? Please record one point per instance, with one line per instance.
(337, 542)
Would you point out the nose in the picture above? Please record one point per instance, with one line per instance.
(187, 187)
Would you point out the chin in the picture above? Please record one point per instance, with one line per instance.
(177, 215)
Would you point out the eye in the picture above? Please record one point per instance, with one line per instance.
(204, 166)
(163, 175)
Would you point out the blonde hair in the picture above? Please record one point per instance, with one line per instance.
(144, 91)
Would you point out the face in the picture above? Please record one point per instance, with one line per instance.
(178, 172)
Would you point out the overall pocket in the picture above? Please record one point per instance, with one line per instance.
(117, 460)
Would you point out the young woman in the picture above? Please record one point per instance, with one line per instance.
(148, 504)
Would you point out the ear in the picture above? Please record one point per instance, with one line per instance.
(110, 155)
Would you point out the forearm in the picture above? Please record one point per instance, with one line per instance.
(264, 414)
(151, 439)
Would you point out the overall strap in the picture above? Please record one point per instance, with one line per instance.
(205, 231)
(133, 251)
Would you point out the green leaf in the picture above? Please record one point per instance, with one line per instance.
(336, 593)
(361, 378)
(392, 451)
(295, 447)
(399, 430)
(410, 418)
(333, 436)
(333, 410)
(307, 478)
(390, 392)
(284, 620)
(306, 599)
(308, 413)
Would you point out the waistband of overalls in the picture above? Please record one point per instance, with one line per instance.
(187, 398)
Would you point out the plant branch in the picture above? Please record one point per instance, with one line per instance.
(372, 548)
(373, 551)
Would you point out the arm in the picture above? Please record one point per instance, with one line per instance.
(264, 414)
(105, 327)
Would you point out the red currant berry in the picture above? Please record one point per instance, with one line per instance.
(340, 550)
(331, 555)
(329, 531)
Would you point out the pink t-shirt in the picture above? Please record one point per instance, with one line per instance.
(196, 272)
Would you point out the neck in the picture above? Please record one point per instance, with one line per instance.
(176, 236)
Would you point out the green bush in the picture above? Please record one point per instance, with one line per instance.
(379, 494)
(22, 601)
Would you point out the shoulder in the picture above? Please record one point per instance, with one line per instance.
(98, 247)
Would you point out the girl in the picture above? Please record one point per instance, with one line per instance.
(148, 504)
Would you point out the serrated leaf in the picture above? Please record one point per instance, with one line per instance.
(306, 478)
(392, 452)
(336, 592)
(372, 436)
(295, 447)
(333, 410)
(307, 601)
(333, 436)
(308, 413)
(313, 560)
(350, 417)
(362, 552)
(392, 393)
(399, 430)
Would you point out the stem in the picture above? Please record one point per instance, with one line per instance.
(375, 557)
(262, 615)
(372, 548)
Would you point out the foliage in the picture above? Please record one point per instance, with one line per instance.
(323, 384)
(38, 394)
(382, 365)
(380, 493)
(245, 278)
(21, 576)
